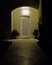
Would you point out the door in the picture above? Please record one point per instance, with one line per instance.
(25, 27)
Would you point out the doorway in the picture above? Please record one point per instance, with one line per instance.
(25, 21)
(25, 27)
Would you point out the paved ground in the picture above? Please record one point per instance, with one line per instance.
(23, 52)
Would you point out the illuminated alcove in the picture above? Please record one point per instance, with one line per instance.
(26, 12)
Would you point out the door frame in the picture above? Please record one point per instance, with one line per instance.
(21, 34)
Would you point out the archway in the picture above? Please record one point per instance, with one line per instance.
(26, 15)
(6, 13)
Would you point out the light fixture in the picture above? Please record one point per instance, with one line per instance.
(25, 11)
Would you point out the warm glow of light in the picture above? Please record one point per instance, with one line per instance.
(25, 11)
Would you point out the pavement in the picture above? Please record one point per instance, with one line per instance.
(24, 52)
